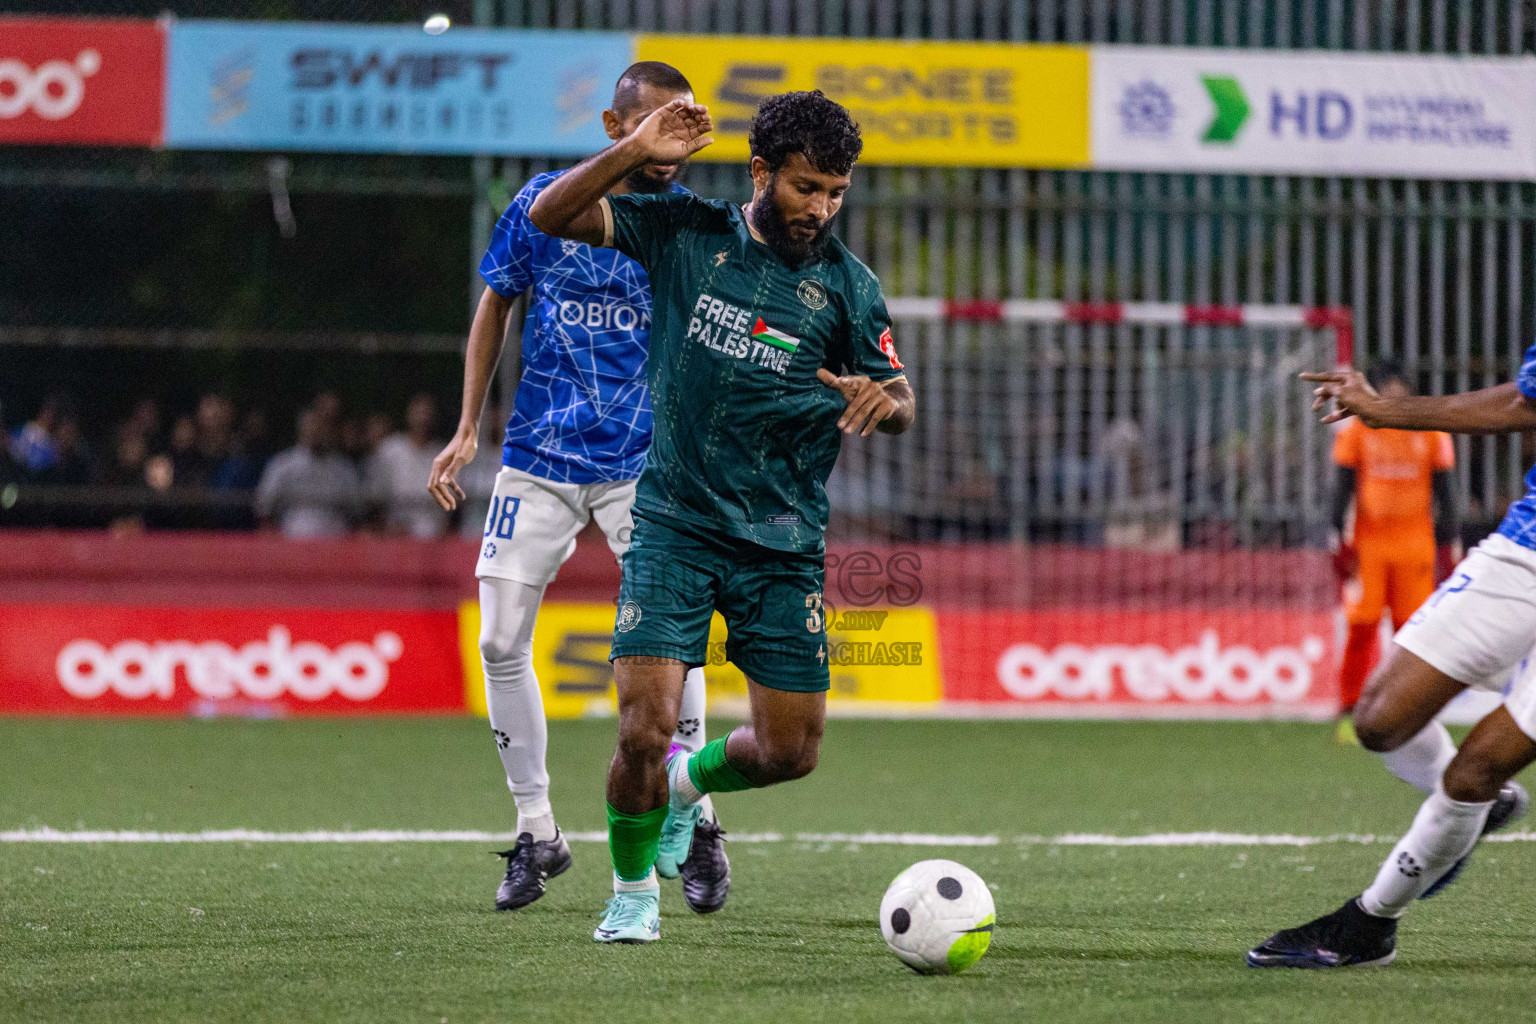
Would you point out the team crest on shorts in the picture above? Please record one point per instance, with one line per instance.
(629, 616)
(812, 294)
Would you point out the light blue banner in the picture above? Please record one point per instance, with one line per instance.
(356, 88)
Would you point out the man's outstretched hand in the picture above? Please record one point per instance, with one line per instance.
(673, 133)
(869, 404)
(1350, 393)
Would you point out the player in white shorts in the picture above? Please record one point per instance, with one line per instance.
(575, 445)
(1476, 630)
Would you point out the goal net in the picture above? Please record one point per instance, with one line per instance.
(1114, 508)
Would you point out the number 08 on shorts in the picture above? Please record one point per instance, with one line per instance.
(531, 528)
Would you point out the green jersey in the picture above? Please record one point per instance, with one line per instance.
(745, 434)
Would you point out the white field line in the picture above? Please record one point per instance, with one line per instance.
(1166, 839)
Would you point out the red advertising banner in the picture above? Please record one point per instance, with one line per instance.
(92, 659)
(1169, 662)
(81, 82)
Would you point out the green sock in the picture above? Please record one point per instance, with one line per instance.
(632, 841)
(710, 772)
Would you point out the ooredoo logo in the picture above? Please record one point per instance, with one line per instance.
(260, 670)
(1196, 672)
(53, 90)
(76, 81)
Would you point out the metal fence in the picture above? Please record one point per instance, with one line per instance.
(1437, 273)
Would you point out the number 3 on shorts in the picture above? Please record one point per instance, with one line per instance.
(503, 517)
(813, 620)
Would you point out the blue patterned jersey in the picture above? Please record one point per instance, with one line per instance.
(1519, 523)
(582, 413)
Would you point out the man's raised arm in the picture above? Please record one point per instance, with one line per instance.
(1496, 410)
(570, 206)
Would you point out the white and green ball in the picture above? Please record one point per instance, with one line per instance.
(938, 917)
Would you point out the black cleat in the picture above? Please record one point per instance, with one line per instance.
(1348, 937)
(1510, 807)
(706, 873)
(529, 864)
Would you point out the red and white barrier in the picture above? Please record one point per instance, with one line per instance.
(1339, 319)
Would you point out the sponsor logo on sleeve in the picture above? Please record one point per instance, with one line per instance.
(888, 346)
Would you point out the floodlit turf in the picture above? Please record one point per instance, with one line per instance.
(404, 931)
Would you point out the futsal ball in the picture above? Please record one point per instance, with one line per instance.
(938, 917)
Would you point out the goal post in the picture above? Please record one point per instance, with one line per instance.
(1118, 508)
(1340, 320)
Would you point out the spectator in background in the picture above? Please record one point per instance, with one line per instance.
(130, 454)
(328, 407)
(376, 427)
(256, 439)
(144, 422)
(127, 467)
(33, 445)
(179, 447)
(353, 441)
(311, 490)
(397, 475)
(73, 465)
(212, 459)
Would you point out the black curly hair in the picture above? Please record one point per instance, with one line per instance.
(807, 123)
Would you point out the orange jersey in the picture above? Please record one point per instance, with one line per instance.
(1394, 502)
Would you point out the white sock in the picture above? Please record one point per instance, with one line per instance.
(690, 728)
(690, 717)
(1421, 761)
(646, 884)
(541, 826)
(684, 792)
(1443, 832)
(507, 613)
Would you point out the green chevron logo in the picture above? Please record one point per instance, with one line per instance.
(1231, 108)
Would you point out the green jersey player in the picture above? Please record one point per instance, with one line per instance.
(767, 338)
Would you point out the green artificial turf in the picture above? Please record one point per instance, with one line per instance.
(404, 931)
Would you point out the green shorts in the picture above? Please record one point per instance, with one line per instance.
(676, 575)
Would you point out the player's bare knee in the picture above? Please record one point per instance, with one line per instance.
(1376, 727)
(1375, 733)
(790, 761)
(806, 763)
(1473, 776)
(643, 743)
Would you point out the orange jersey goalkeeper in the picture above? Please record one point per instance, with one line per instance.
(1396, 481)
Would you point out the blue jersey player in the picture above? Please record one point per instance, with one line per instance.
(1472, 632)
(575, 445)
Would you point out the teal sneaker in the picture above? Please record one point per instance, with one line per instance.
(632, 917)
(677, 830)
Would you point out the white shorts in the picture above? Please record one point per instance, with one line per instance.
(531, 528)
(1479, 626)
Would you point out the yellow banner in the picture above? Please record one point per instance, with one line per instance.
(937, 103)
(881, 655)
